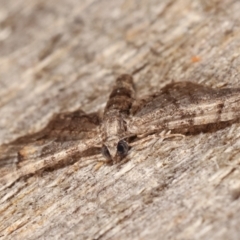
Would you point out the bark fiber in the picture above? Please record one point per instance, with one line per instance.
(61, 55)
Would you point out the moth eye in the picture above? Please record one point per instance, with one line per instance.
(105, 152)
(122, 148)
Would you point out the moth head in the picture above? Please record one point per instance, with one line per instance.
(115, 150)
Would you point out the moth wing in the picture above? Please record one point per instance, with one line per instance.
(185, 107)
(62, 132)
(66, 127)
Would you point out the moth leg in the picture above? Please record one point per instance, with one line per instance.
(164, 135)
(150, 140)
(98, 165)
(100, 162)
(141, 141)
(167, 135)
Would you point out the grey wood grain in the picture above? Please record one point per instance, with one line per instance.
(58, 56)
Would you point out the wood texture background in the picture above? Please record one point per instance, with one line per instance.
(61, 55)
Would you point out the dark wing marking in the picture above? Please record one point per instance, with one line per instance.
(185, 107)
(66, 126)
(63, 127)
(63, 132)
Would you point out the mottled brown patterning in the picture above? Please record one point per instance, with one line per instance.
(185, 107)
(114, 126)
(182, 107)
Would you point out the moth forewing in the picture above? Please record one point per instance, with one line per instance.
(186, 106)
(65, 135)
(51, 160)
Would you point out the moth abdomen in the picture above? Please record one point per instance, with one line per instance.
(122, 95)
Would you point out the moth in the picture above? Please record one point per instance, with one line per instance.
(181, 107)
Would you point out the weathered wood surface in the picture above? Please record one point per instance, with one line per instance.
(62, 55)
